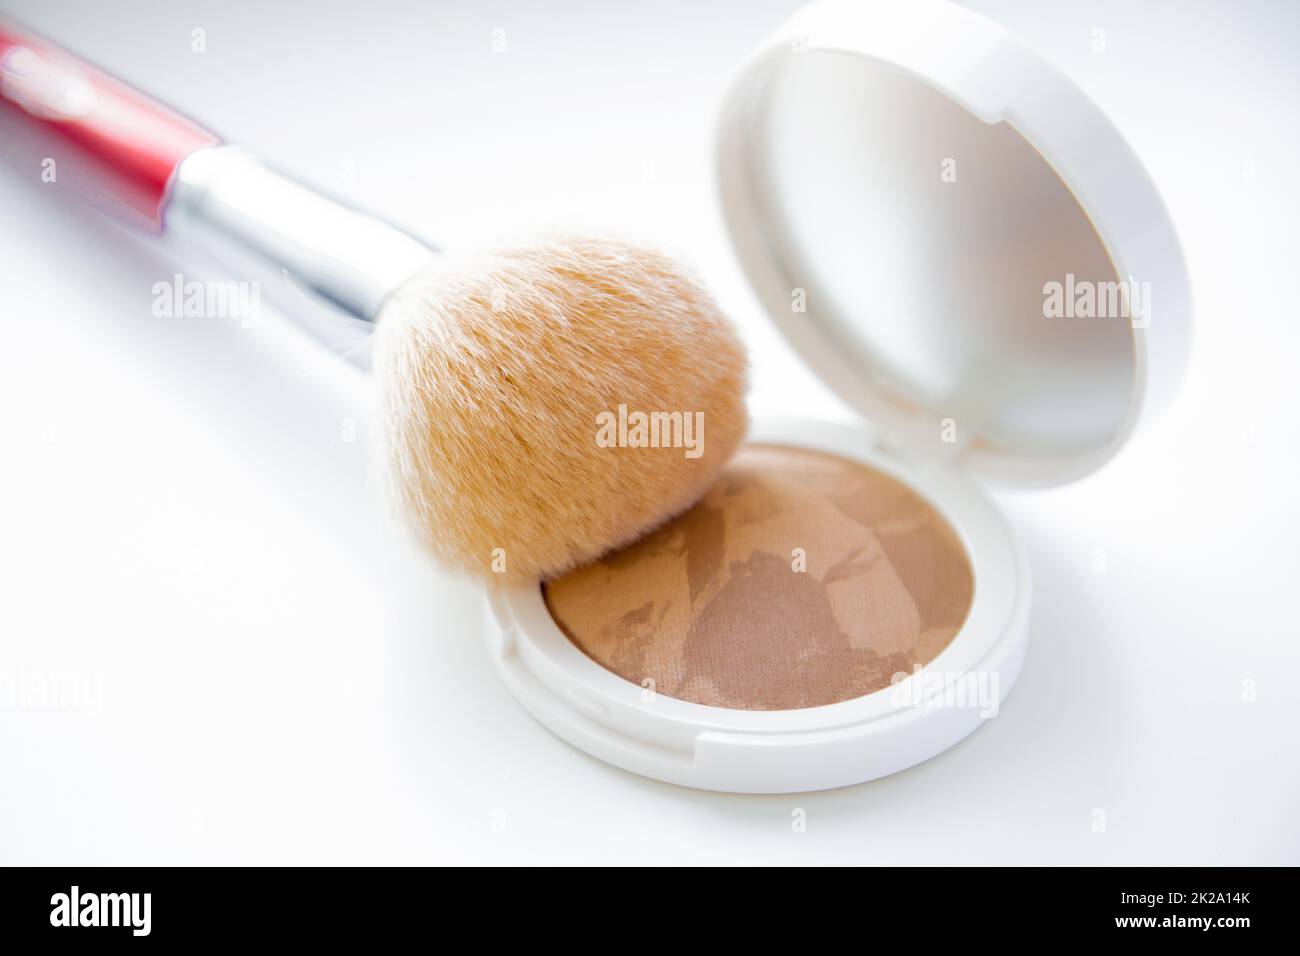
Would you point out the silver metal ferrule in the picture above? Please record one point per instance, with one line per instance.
(275, 230)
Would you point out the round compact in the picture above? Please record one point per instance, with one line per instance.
(966, 250)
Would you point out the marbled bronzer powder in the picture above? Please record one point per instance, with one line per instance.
(712, 609)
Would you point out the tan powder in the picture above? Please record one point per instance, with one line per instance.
(714, 607)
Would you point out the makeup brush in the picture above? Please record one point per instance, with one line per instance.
(501, 373)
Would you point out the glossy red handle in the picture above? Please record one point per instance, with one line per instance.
(109, 141)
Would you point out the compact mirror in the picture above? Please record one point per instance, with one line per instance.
(939, 254)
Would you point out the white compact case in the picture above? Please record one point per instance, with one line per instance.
(959, 242)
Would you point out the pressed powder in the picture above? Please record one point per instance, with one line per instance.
(749, 645)
(799, 579)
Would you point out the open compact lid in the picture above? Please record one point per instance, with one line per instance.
(954, 237)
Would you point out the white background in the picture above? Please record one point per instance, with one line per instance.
(263, 670)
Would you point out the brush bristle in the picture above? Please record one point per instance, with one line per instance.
(501, 376)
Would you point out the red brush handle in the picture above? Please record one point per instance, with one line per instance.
(108, 140)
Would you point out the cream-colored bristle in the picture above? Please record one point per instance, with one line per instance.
(502, 375)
